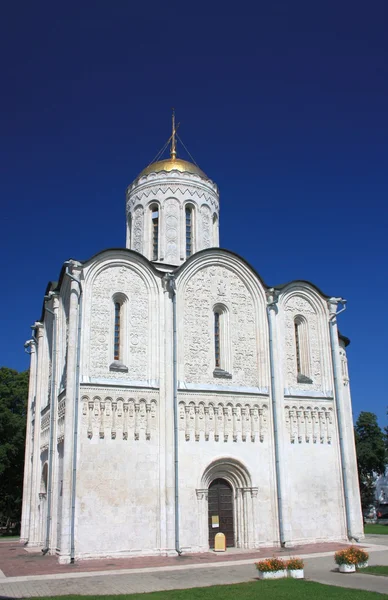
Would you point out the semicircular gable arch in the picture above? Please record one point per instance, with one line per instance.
(121, 259)
(216, 257)
(308, 293)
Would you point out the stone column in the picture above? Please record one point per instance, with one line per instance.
(27, 479)
(255, 537)
(203, 518)
(167, 431)
(239, 542)
(69, 422)
(352, 500)
(246, 498)
(54, 457)
(33, 535)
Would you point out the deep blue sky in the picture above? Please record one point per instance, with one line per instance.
(283, 104)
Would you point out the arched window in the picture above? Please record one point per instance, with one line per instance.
(117, 353)
(215, 230)
(155, 231)
(118, 339)
(189, 231)
(43, 480)
(217, 345)
(222, 359)
(302, 350)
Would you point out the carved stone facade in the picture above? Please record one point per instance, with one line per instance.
(310, 424)
(118, 417)
(171, 193)
(123, 280)
(208, 287)
(184, 369)
(239, 420)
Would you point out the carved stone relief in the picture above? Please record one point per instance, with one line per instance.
(223, 421)
(45, 430)
(209, 286)
(138, 229)
(61, 420)
(309, 423)
(206, 227)
(119, 417)
(344, 367)
(183, 189)
(171, 208)
(124, 280)
(297, 305)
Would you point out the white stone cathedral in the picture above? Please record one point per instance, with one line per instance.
(173, 395)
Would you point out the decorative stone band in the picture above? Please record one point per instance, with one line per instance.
(223, 422)
(120, 418)
(203, 494)
(310, 423)
(201, 191)
(61, 420)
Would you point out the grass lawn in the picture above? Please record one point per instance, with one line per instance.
(376, 528)
(282, 589)
(377, 570)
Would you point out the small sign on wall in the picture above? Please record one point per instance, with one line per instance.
(215, 521)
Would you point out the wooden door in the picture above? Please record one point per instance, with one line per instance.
(221, 506)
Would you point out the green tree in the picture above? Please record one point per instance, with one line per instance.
(371, 455)
(13, 409)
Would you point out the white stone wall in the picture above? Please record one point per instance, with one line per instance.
(312, 471)
(118, 495)
(125, 462)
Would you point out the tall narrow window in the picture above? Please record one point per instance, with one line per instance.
(155, 232)
(217, 348)
(222, 349)
(297, 348)
(189, 231)
(117, 331)
(302, 350)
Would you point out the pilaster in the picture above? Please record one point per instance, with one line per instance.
(33, 535)
(53, 454)
(69, 421)
(279, 433)
(28, 460)
(346, 432)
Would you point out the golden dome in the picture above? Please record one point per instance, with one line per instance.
(173, 164)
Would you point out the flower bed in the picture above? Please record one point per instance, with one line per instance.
(271, 568)
(295, 568)
(350, 558)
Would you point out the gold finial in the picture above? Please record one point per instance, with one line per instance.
(173, 137)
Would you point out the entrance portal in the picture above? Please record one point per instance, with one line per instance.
(221, 511)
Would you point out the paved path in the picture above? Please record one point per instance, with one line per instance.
(238, 568)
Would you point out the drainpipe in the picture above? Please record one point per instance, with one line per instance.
(333, 302)
(76, 404)
(171, 287)
(52, 417)
(272, 309)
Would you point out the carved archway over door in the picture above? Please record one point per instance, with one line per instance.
(236, 478)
